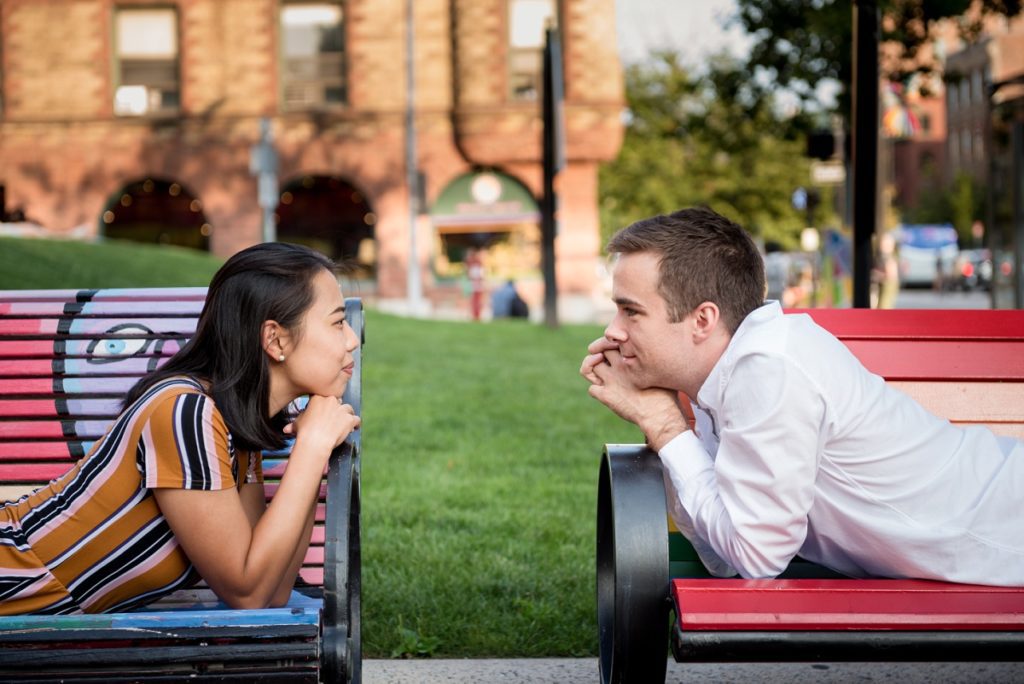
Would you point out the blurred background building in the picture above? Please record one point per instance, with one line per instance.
(163, 121)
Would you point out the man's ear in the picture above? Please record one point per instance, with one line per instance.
(706, 319)
(273, 339)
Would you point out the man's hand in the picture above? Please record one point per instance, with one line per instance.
(654, 410)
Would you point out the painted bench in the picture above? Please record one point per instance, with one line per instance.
(66, 359)
(967, 366)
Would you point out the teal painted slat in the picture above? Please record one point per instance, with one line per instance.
(301, 610)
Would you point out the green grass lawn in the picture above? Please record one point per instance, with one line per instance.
(480, 463)
(28, 264)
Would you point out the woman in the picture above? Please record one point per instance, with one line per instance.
(173, 491)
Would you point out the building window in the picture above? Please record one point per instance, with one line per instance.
(146, 61)
(965, 146)
(527, 20)
(313, 52)
(951, 95)
(954, 150)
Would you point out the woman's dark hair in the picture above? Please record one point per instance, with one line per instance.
(270, 281)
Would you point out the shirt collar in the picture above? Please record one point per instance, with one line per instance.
(710, 394)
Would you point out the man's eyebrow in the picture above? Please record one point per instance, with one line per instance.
(626, 301)
(340, 309)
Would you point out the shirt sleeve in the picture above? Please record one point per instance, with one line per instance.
(185, 445)
(750, 502)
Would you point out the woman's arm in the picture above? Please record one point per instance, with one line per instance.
(247, 564)
(254, 499)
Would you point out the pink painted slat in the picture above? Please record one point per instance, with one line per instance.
(114, 308)
(36, 429)
(313, 575)
(845, 604)
(111, 294)
(26, 349)
(35, 451)
(940, 360)
(47, 408)
(70, 386)
(32, 472)
(920, 323)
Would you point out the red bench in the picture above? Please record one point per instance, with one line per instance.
(967, 366)
(66, 359)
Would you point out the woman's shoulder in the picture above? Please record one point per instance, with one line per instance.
(169, 389)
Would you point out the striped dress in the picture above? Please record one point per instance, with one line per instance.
(94, 540)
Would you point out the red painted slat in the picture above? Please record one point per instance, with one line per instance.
(314, 556)
(138, 294)
(920, 323)
(22, 429)
(104, 307)
(35, 451)
(845, 604)
(34, 472)
(9, 386)
(25, 349)
(313, 575)
(941, 360)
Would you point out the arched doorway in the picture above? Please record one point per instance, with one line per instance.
(156, 211)
(332, 216)
(490, 212)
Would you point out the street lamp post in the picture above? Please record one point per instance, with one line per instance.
(865, 145)
(414, 285)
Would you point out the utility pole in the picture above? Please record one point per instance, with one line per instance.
(414, 284)
(553, 161)
(865, 145)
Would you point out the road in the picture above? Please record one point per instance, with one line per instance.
(929, 299)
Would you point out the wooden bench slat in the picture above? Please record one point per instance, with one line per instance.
(106, 407)
(919, 324)
(810, 604)
(114, 294)
(64, 366)
(969, 402)
(102, 307)
(48, 327)
(956, 360)
(95, 386)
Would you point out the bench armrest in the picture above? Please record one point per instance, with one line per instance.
(341, 654)
(632, 566)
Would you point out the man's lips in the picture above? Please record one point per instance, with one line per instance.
(349, 368)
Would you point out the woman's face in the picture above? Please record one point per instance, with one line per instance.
(320, 357)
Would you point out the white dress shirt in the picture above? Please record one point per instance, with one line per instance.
(801, 450)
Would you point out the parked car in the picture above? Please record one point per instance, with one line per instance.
(927, 254)
(973, 269)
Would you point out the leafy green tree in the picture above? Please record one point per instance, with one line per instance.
(798, 44)
(711, 138)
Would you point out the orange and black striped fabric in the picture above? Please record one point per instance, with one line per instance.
(94, 540)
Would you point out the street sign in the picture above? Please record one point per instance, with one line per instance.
(828, 173)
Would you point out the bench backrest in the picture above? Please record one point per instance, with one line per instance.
(67, 357)
(965, 365)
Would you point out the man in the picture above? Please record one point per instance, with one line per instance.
(797, 448)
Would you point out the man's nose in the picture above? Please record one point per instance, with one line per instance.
(614, 331)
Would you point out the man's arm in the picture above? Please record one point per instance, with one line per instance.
(751, 501)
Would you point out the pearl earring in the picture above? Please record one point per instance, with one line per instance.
(281, 358)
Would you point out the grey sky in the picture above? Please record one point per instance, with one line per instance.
(694, 27)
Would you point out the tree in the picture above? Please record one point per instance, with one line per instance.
(710, 139)
(798, 44)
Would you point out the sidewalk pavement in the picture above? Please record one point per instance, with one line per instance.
(585, 671)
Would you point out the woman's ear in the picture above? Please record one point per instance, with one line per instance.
(273, 339)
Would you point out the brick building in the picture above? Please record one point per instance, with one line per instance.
(138, 118)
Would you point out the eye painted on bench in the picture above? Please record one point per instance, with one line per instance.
(115, 348)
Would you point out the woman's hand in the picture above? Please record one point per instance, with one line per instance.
(324, 423)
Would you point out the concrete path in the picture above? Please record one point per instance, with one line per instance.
(584, 671)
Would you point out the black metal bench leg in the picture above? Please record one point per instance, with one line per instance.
(632, 567)
(341, 658)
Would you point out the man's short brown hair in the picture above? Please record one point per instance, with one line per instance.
(703, 257)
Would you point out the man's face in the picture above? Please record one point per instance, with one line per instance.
(658, 353)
